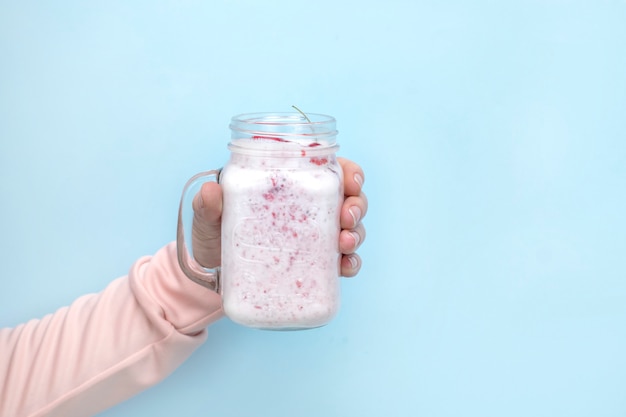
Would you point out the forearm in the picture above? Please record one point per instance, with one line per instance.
(108, 346)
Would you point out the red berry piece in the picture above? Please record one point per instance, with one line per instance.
(319, 161)
(275, 139)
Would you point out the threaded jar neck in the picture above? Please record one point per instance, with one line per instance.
(285, 128)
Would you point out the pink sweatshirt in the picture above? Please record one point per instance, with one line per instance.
(106, 347)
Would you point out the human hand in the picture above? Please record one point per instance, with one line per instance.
(207, 222)
(353, 210)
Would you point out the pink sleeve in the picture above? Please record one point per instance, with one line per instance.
(106, 347)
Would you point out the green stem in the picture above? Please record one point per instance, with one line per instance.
(302, 113)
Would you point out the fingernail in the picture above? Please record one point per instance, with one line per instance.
(356, 238)
(353, 262)
(358, 178)
(355, 212)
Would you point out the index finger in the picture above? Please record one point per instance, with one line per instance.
(353, 177)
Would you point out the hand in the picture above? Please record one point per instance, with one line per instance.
(353, 210)
(207, 222)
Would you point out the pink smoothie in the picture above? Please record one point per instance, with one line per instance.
(280, 233)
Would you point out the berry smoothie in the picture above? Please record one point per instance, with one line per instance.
(280, 233)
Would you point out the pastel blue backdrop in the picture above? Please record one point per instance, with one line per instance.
(492, 135)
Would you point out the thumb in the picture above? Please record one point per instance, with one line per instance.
(207, 225)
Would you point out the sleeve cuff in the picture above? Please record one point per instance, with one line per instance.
(189, 307)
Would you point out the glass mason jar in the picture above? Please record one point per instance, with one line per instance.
(282, 195)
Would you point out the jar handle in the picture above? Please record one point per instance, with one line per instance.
(207, 277)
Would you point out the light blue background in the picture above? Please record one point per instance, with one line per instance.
(492, 135)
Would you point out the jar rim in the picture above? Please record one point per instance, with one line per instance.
(292, 126)
(283, 118)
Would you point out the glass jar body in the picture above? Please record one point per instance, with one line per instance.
(280, 234)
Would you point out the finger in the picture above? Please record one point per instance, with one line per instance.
(350, 265)
(353, 177)
(353, 210)
(206, 229)
(350, 240)
(208, 202)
